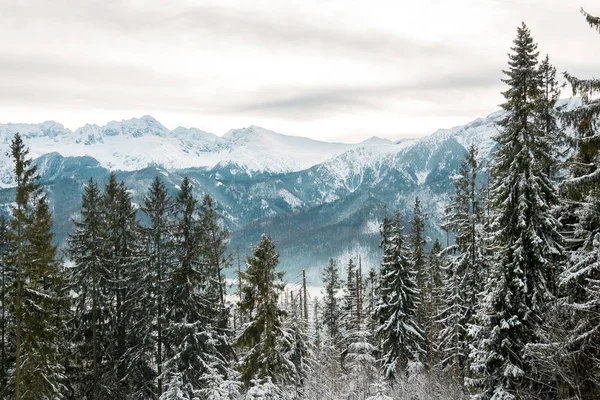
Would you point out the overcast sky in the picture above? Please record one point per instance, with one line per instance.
(328, 69)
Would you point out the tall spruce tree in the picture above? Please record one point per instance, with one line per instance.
(44, 310)
(124, 259)
(402, 338)
(295, 344)
(350, 297)
(584, 165)
(419, 263)
(350, 313)
(329, 365)
(6, 279)
(434, 300)
(196, 364)
(158, 207)
(261, 338)
(578, 319)
(93, 305)
(331, 308)
(214, 248)
(465, 270)
(527, 241)
(547, 116)
(26, 179)
(37, 299)
(214, 239)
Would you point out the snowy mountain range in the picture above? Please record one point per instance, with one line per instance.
(317, 199)
(134, 144)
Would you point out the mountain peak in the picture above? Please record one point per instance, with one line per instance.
(135, 127)
(375, 141)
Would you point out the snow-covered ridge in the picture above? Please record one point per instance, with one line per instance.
(141, 142)
(482, 131)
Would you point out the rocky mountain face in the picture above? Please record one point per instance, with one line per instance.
(317, 199)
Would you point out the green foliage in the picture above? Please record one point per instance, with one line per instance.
(331, 304)
(36, 299)
(262, 336)
(197, 348)
(6, 279)
(88, 278)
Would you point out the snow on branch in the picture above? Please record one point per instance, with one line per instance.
(593, 21)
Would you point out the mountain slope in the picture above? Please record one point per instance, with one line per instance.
(318, 200)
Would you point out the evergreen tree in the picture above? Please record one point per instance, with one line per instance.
(419, 264)
(400, 335)
(295, 345)
(37, 301)
(196, 363)
(361, 364)
(464, 273)
(6, 279)
(418, 257)
(350, 323)
(584, 164)
(44, 309)
(88, 278)
(371, 285)
(350, 298)
(214, 248)
(214, 240)
(158, 233)
(262, 336)
(546, 115)
(158, 207)
(129, 345)
(331, 303)
(27, 186)
(576, 320)
(359, 356)
(434, 299)
(527, 241)
(572, 348)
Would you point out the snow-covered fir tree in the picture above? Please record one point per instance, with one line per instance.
(547, 115)
(419, 262)
(527, 242)
(360, 348)
(434, 297)
(214, 242)
(360, 364)
(295, 345)
(401, 337)
(45, 309)
(465, 271)
(124, 260)
(332, 310)
(574, 338)
(197, 353)
(6, 278)
(37, 297)
(26, 178)
(261, 340)
(88, 279)
(350, 297)
(160, 260)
